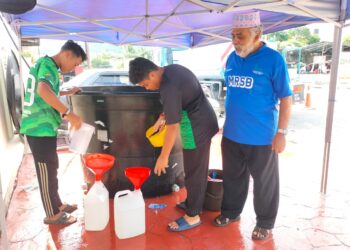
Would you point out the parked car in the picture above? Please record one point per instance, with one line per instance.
(98, 77)
(214, 87)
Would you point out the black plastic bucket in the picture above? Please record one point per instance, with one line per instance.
(215, 190)
(121, 116)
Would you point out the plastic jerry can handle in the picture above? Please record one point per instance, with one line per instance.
(122, 193)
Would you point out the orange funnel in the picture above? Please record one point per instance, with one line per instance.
(137, 175)
(99, 163)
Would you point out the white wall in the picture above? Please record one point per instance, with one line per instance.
(11, 148)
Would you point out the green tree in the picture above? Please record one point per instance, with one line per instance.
(298, 37)
(302, 36)
(100, 62)
(347, 40)
(138, 51)
(279, 36)
(107, 56)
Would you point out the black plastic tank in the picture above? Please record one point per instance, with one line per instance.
(121, 116)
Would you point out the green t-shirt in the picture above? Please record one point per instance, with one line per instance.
(39, 118)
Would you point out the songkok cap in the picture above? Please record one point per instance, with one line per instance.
(246, 19)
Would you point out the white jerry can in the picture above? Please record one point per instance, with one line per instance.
(96, 207)
(129, 214)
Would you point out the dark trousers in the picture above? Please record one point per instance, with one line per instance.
(239, 162)
(196, 164)
(46, 165)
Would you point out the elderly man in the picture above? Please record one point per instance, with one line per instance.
(255, 132)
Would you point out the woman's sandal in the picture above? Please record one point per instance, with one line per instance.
(260, 233)
(221, 221)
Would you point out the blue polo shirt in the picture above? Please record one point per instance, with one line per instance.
(254, 86)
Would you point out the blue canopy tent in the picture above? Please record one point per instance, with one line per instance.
(166, 23)
(182, 24)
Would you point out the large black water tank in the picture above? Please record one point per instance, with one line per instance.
(121, 115)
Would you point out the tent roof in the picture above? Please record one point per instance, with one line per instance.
(166, 23)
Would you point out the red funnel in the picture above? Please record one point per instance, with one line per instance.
(99, 163)
(137, 175)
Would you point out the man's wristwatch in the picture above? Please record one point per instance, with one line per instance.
(66, 113)
(282, 131)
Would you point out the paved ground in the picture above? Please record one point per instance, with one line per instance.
(307, 138)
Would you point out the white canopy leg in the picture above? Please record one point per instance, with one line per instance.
(337, 46)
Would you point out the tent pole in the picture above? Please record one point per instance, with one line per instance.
(331, 100)
(88, 59)
(147, 19)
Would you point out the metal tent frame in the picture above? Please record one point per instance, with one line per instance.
(181, 24)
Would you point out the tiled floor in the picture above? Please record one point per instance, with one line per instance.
(306, 220)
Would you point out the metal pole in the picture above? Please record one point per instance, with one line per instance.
(299, 60)
(87, 50)
(337, 46)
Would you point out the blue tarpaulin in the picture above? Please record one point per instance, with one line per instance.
(166, 23)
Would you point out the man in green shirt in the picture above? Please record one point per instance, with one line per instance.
(42, 114)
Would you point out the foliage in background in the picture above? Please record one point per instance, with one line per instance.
(298, 37)
(347, 40)
(101, 61)
(120, 59)
(131, 52)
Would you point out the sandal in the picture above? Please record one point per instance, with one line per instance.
(69, 208)
(183, 225)
(221, 220)
(63, 219)
(260, 233)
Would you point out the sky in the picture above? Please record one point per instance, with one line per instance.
(50, 47)
(204, 60)
(326, 31)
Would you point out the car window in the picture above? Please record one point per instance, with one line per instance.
(124, 79)
(111, 79)
(107, 80)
